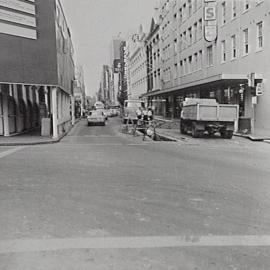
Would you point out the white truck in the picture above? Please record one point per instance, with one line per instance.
(130, 108)
(201, 115)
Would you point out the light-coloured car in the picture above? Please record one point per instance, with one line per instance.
(96, 117)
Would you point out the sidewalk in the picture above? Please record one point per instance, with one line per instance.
(31, 138)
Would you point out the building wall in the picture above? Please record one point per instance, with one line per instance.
(185, 59)
(31, 61)
(137, 65)
(65, 51)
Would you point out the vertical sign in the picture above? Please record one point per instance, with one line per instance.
(210, 19)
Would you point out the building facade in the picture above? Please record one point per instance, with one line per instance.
(106, 93)
(79, 91)
(154, 64)
(37, 71)
(216, 49)
(137, 64)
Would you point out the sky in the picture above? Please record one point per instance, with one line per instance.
(93, 24)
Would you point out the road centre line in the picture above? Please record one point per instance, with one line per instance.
(39, 245)
(103, 144)
(93, 136)
(11, 151)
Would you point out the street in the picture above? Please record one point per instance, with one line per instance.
(101, 199)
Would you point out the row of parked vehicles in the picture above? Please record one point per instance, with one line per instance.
(198, 116)
(99, 115)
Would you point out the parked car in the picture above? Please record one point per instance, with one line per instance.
(96, 117)
(113, 112)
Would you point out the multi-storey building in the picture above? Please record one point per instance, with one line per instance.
(137, 64)
(217, 49)
(37, 69)
(79, 91)
(106, 91)
(154, 67)
(122, 72)
(115, 63)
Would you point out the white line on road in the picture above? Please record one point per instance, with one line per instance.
(102, 144)
(93, 136)
(11, 151)
(39, 245)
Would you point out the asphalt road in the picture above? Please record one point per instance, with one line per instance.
(101, 199)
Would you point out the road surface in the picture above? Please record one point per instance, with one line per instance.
(101, 199)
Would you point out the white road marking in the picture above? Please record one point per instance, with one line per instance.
(102, 144)
(11, 151)
(39, 245)
(94, 136)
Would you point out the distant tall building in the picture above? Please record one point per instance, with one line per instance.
(115, 64)
(105, 92)
(122, 71)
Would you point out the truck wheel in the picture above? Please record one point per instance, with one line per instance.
(195, 133)
(227, 134)
(182, 128)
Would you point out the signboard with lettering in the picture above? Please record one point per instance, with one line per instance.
(210, 33)
(259, 89)
(210, 13)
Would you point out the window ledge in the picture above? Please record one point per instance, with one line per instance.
(259, 50)
(245, 11)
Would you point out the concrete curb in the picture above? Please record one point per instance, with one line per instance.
(250, 137)
(49, 141)
(170, 138)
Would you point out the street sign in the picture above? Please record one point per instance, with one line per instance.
(210, 32)
(210, 13)
(259, 89)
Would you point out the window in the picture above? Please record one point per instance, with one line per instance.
(233, 8)
(185, 66)
(200, 32)
(189, 8)
(200, 60)
(223, 51)
(184, 12)
(175, 71)
(246, 5)
(189, 64)
(181, 68)
(259, 35)
(246, 47)
(181, 43)
(180, 15)
(175, 46)
(195, 61)
(185, 39)
(210, 61)
(195, 5)
(233, 40)
(223, 12)
(195, 31)
(189, 35)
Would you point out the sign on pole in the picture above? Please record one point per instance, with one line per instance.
(259, 89)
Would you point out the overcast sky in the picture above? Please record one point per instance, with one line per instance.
(94, 23)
